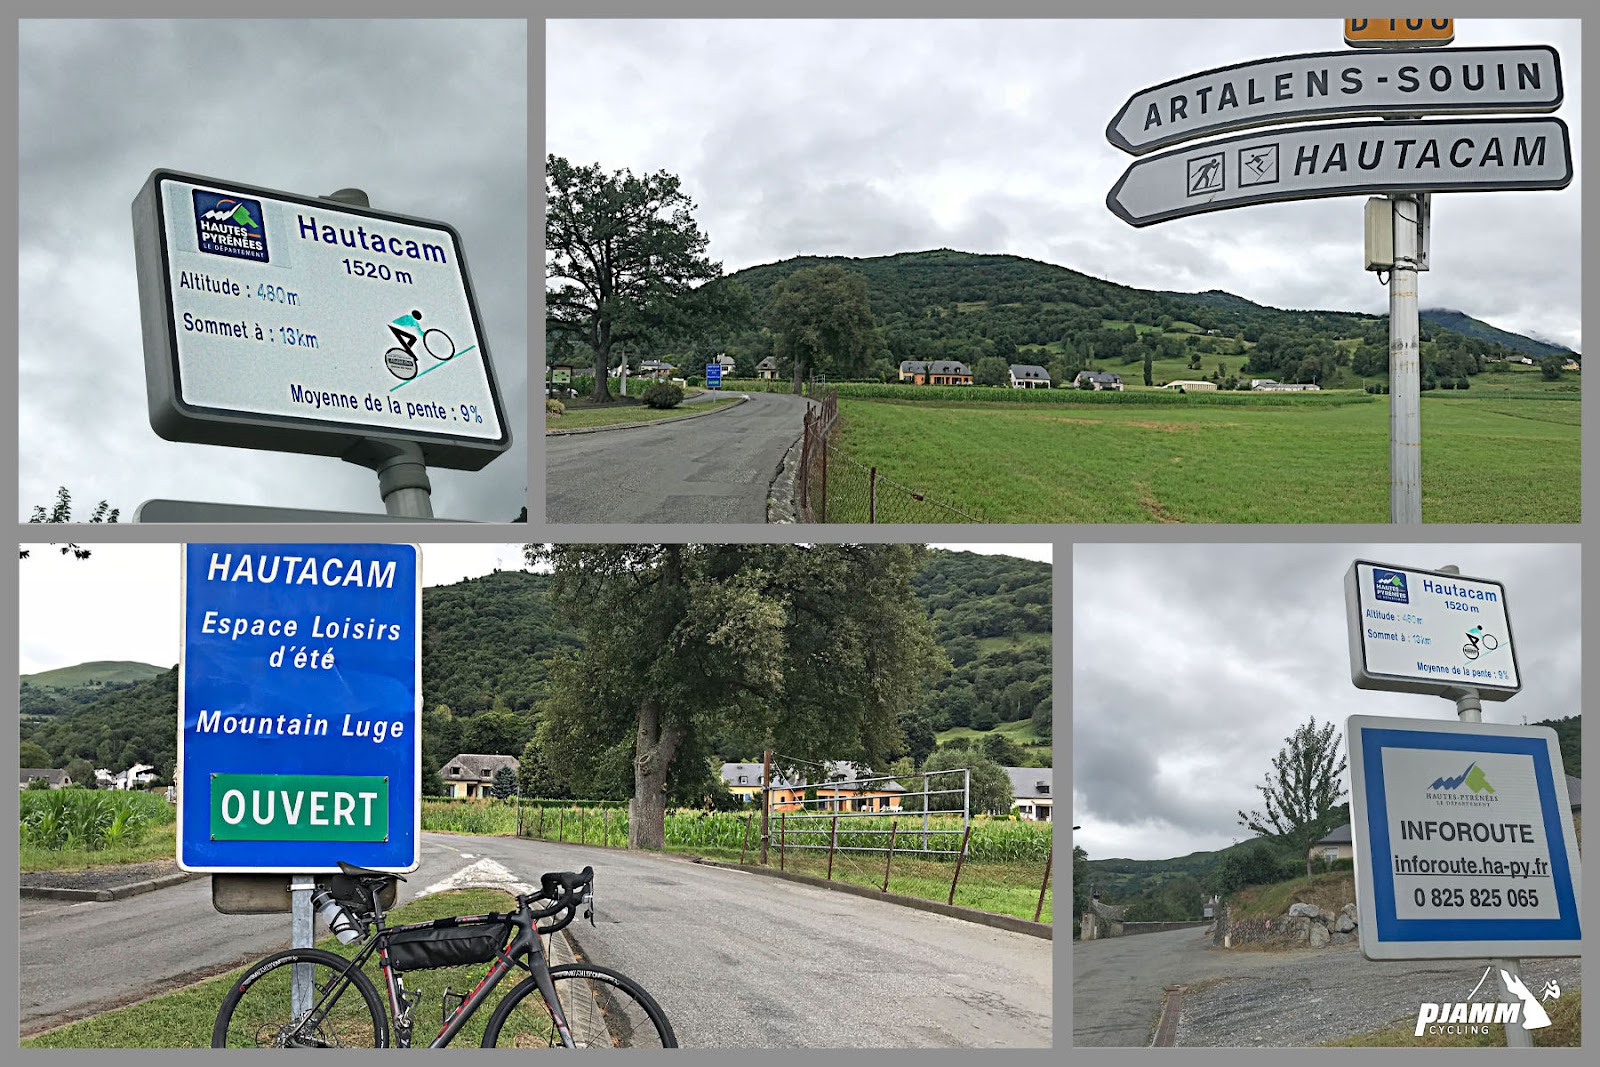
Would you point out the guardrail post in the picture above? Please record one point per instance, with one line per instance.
(1046, 884)
(744, 846)
(959, 857)
(780, 839)
(833, 841)
(889, 860)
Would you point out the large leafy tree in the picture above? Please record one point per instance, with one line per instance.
(623, 254)
(817, 648)
(821, 321)
(988, 785)
(1301, 793)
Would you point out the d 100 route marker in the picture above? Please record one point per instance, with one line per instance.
(1433, 632)
(1338, 85)
(297, 324)
(1464, 843)
(1301, 163)
(1399, 33)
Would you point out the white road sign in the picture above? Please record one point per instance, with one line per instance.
(1344, 159)
(1338, 85)
(1464, 843)
(1419, 631)
(298, 324)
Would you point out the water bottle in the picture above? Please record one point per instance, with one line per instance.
(339, 921)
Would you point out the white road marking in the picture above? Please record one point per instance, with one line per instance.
(485, 874)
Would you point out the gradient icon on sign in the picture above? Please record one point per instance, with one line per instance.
(230, 226)
(1390, 586)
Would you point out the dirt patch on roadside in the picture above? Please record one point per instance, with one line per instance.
(108, 876)
(1157, 511)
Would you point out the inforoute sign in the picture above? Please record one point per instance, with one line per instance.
(299, 708)
(1338, 85)
(1343, 159)
(1399, 33)
(1464, 840)
(296, 324)
(1417, 631)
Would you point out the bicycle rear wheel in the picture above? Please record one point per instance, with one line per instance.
(604, 1009)
(345, 1010)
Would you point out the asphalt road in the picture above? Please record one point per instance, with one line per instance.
(736, 960)
(712, 469)
(1117, 982)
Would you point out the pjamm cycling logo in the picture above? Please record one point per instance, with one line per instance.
(1475, 1017)
(1390, 586)
(230, 226)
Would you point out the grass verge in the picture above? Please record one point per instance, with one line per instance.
(184, 1018)
(625, 413)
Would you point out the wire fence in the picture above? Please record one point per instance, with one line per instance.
(833, 487)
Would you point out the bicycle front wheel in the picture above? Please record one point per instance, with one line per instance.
(344, 1009)
(603, 1009)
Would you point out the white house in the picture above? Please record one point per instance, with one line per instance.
(1029, 376)
(1031, 792)
(472, 774)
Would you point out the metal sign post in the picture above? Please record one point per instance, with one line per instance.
(1405, 365)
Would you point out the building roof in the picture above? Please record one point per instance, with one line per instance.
(1339, 835)
(654, 364)
(1575, 793)
(841, 773)
(1029, 370)
(770, 363)
(472, 765)
(1099, 376)
(1030, 783)
(53, 775)
(913, 366)
(948, 366)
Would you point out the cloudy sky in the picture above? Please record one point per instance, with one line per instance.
(429, 117)
(124, 601)
(1193, 663)
(871, 138)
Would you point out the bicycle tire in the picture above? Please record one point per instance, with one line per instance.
(603, 1009)
(265, 1020)
(426, 347)
(1490, 642)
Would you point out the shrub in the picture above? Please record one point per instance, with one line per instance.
(554, 407)
(663, 395)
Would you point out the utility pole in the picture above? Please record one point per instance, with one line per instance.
(1405, 363)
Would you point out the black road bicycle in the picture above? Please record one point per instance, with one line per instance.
(572, 1005)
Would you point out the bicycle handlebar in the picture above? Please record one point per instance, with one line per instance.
(566, 890)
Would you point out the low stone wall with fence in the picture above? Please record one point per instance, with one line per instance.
(1129, 929)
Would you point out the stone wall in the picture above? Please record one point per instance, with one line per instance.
(1304, 925)
(1129, 929)
(1101, 920)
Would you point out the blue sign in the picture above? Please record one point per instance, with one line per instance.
(713, 375)
(1464, 842)
(299, 708)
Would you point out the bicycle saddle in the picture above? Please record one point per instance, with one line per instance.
(353, 871)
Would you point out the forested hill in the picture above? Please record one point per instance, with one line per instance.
(487, 644)
(1467, 326)
(945, 304)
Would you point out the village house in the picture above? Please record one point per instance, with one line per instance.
(472, 774)
(843, 789)
(767, 369)
(1031, 792)
(1099, 379)
(54, 776)
(1029, 376)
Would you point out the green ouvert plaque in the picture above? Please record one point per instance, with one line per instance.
(299, 807)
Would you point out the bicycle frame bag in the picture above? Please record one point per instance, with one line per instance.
(450, 946)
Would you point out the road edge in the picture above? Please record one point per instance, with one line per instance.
(952, 911)
(652, 422)
(783, 503)
(132, 889)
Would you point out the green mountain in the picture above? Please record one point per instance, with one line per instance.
(945, 304)
(1569, 735)
(1467, 326)
(486, 647)
(98, 673)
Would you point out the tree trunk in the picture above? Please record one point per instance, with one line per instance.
(795, 385)
(601, 394)
(654, 748)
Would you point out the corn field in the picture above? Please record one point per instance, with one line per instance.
(86, 819)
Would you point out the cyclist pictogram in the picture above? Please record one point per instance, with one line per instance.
(408, 330)
(1477, 638)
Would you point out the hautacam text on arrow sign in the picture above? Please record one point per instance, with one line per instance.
(1300, 163)
(1338, 85)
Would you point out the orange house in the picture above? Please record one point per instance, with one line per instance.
(844, 791)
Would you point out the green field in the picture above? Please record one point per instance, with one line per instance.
(1485, 457)
(1021, 731)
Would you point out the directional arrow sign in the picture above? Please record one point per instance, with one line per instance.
(1338, 85)
(1455, 155)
